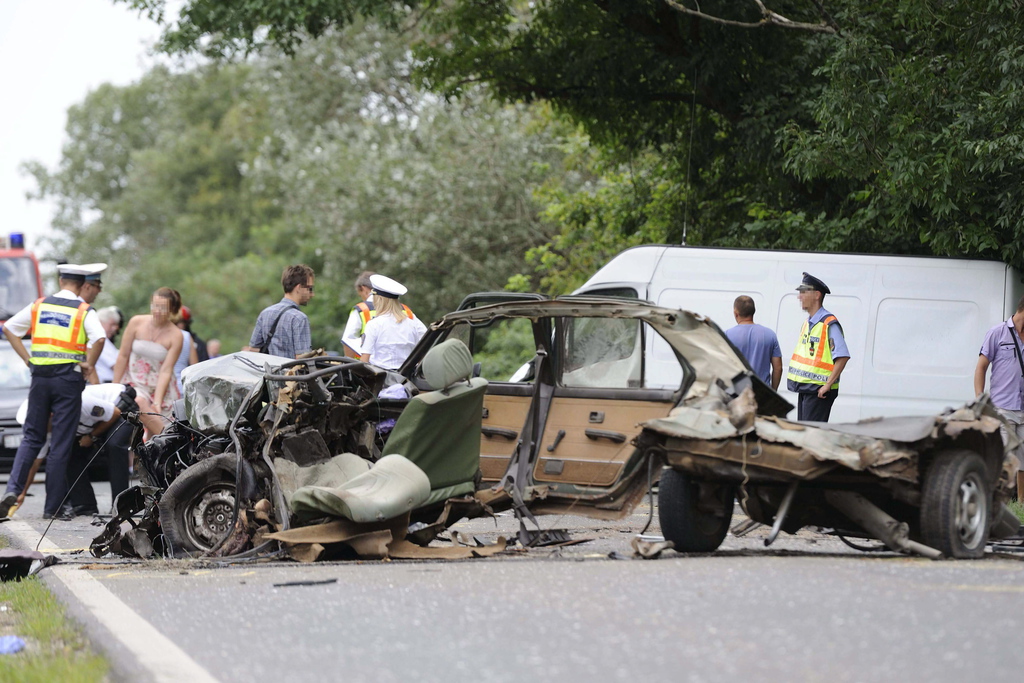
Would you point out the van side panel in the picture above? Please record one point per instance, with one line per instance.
(913, 324)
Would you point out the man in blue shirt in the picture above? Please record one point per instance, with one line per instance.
(758, 343)
(283, 329)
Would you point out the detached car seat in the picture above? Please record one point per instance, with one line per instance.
(432, 454)
(440, 430)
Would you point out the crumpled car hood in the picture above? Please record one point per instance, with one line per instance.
(877, 444)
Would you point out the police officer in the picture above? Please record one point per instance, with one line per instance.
(362, 313)
(394, 331)
(67, 338)
(820, 354)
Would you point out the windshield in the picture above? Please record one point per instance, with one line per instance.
(14, 374)
(18, 285)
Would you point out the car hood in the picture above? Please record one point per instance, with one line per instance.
(696, 338)
(10, 400)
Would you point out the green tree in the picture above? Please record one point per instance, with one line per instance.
(897, 134)
(213, 179)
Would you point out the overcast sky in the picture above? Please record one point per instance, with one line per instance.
(53, 53)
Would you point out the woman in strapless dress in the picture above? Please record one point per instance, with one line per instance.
(149, 349)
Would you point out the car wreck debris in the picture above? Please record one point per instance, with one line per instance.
(329, 457)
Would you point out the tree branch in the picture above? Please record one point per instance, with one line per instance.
(768, 18)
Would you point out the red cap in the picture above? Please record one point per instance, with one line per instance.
(186, 314)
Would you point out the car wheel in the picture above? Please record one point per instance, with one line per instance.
(197, 508)
(685, 519)
(955, 504)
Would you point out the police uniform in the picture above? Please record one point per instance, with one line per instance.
(99, 403)
(821, 343)
(355, 328)
(63, 327)
(388, 342)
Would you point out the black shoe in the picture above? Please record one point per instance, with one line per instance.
(6, 503)
(65, 514)
(85, 511)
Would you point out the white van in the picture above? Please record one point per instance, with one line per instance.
(914, 325)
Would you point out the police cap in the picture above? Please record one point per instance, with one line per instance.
(386, 287)
(812, 283)
(72, 271)
(95, 271)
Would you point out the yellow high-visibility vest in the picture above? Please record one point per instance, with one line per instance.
(58, 331)
(812, 361)
(367, 313)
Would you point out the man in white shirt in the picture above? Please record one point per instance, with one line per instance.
(100, 424)
(67, 338)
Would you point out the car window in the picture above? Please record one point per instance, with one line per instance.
(14, 374)
(601, 353)
(504, 348)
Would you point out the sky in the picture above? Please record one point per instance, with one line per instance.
(53, 53)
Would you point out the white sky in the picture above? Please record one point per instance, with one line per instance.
(53, 52)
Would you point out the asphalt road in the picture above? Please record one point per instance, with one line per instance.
(807, 609)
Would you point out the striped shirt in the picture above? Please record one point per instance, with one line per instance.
(292, 335)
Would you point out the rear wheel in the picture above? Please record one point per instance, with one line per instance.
(694, 515)
(197, 508)
(956, 504)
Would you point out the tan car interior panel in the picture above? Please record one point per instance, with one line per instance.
(587, 440)
(504, 417)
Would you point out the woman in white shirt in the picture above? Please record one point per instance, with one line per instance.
(391, 335)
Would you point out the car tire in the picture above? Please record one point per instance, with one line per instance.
(956, 504)
(196, 510)
(690, 529)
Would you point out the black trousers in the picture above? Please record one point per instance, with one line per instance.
(57, 391)
(810, 408)
(114, 442)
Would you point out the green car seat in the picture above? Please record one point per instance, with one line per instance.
(440, 430)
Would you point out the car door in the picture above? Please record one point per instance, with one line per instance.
(504, 350)
(601, 395)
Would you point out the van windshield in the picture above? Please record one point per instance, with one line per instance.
(18, 286)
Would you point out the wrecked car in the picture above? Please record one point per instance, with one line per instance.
(535, 405)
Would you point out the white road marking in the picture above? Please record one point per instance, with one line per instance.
(164, 660)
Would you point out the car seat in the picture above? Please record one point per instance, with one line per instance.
(440, 430)
(433, 452)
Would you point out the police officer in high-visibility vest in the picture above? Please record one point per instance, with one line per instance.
(362, 313)
(67, 338)
(820, 355)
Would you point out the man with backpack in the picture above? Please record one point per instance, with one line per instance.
(282, 329)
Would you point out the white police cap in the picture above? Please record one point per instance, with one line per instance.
(72, 271)
(93, 271)
(386, 287)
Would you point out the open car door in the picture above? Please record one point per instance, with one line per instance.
(503, 349)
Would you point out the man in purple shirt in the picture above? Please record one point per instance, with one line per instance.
(758, 343)
(1002, 350)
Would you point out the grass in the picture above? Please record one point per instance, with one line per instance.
(55, 649)
(1018, 509)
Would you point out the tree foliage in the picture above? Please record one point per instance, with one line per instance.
(898, 134)
(213, 179)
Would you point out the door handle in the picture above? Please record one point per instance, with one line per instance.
(558, 438)
(614, 437)
(509, 434)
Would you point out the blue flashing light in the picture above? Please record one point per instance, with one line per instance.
(17, 240)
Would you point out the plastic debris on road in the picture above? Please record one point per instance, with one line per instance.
(10, 645)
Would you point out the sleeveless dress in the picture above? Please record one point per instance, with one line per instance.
(144, 372)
